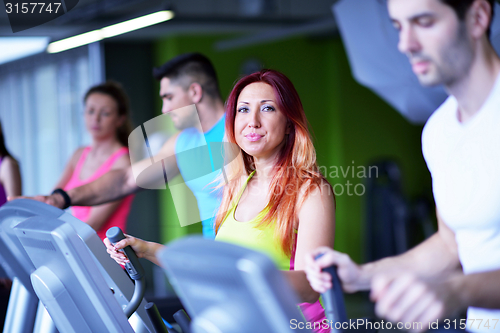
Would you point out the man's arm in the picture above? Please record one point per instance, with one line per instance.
(480, 290)
(433, 257)
(101, 213)
(408, 297)
(116, 184)
(111, 186)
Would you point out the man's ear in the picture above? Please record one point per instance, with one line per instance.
(479, 17)
(195, 92)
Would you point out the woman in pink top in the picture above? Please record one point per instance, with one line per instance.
(10, 176)
(107, 120)
(10, 186)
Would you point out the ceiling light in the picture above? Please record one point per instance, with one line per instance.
(14, 48)
(137, 23)
(75, 41)
(110, 31)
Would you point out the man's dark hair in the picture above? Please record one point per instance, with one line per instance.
(194, 66)
(462, 6)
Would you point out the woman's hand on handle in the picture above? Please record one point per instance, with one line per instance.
(138, 245)
(349, 272)
(142, 248)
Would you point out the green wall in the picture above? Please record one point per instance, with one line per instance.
(350, 125)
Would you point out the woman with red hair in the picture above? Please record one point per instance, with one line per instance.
(275, 199)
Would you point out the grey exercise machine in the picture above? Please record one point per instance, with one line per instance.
(22, 314)
(70, 283)
(227, 288)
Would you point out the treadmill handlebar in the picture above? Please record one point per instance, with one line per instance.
(334, 299)
(133, 267)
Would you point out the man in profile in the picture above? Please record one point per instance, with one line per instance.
(188, 79)
(458, 268)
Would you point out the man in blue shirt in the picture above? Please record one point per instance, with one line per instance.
(184, 80)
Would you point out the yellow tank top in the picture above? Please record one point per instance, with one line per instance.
(248, 234)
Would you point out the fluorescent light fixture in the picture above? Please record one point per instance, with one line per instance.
(137, 23)
(75, 41)
(14, 48)
(110, 31)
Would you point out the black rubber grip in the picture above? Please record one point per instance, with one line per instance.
(133, 267)
(183, 320)
(156, 320)
(334, 298)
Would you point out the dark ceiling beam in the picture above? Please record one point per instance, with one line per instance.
(276, 34)
(191, 25)
(96, 9)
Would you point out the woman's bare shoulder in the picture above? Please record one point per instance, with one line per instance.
(121, 162)
(9, 163)
(317, 188)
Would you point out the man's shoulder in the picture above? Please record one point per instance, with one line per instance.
(440, 118)
(217, 132)
(435, 128)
